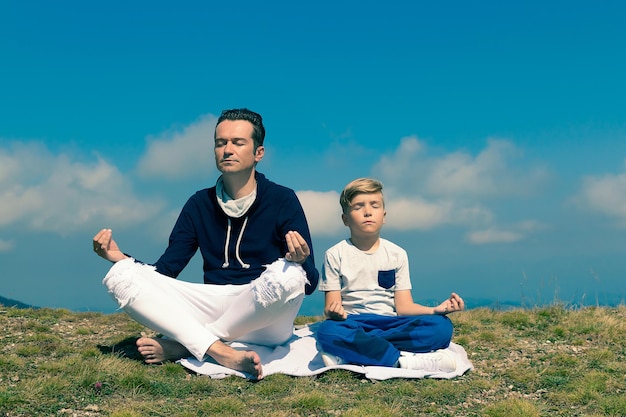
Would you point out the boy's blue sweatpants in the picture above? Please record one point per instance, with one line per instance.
(372, 339)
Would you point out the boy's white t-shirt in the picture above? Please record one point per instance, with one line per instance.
(367, 281)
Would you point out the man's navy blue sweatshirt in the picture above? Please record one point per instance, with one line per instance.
(236, 250)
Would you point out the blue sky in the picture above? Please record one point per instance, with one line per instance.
(499, 131)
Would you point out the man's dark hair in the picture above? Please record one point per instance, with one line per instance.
(258, 135)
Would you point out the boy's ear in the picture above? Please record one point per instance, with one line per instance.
(384, 215)
(344, 218)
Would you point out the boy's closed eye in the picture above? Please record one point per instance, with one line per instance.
(359, 206)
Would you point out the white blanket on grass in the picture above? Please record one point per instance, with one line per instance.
(300, 357)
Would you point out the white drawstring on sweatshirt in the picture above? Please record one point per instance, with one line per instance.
(238, 244)
(233, 208)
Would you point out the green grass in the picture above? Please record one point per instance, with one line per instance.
(552, 361)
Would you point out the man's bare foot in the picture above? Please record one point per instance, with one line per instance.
(160, 350)
(247, 361)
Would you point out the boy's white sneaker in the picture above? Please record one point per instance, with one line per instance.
(331, 360)
(437, 361)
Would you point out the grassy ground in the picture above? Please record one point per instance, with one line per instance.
(545, 361)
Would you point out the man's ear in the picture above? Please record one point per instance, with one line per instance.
(258, 153)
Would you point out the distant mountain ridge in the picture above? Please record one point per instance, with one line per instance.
(7, 302)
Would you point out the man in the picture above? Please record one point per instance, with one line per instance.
(258, 261)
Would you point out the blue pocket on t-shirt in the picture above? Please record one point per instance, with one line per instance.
(387, 279)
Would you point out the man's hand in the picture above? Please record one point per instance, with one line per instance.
(297, 246)
(105, 246)
(336, 312)
(452, 304)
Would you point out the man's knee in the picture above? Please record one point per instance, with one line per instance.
(282, 281)
(124, 280)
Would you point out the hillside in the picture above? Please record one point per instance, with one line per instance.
(545, 361)
(13, 303)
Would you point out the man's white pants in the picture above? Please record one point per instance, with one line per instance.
(197, 315)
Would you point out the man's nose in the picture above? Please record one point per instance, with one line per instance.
(228, 148)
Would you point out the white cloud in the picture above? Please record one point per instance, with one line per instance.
(9, 166)
(161, 227)
(529, 226)
(322, 211)
(50, 192)
(497, 171)
(5, 245)
(347, 151)
(426, 191)
(180, 154)
(416, 213)
(605, 195)
(47, 192)
(406, 214)
(482, 237)
(493, 172)
(406, 165)
(514, 233)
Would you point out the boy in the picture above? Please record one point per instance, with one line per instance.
(372, 318)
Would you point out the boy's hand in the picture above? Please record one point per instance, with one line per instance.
(452, 304)
(336, 312)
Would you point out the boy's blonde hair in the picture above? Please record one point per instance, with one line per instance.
(359, 186)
